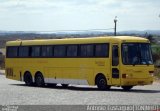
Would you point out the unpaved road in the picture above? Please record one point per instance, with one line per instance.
(16, 93)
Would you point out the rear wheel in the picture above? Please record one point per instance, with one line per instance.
(127, 88)
(39, 80)
(28, 79)
(102, 83)
(64, 85)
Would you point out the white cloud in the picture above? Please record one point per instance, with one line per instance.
(78, 14)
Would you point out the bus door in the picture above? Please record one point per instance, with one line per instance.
(115, 71)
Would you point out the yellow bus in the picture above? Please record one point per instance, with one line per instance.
(122, 61)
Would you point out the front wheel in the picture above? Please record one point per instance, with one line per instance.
(127, 88)
(102, 83)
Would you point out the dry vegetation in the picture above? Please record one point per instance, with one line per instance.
(157, 74)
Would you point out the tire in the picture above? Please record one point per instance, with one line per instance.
(51, 85)
(39, 80)
(102, 83)
(28, 79)
(127, 88)
(64, 85)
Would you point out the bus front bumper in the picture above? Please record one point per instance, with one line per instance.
(134, 82)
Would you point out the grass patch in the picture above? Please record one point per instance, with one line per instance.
(155, 48)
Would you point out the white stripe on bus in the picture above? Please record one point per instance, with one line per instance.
(66, 81)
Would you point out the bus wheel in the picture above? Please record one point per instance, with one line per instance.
(51, 85)
(39, 80)
(28, 79)
(102, 83)
(127, 88)
(64, 85)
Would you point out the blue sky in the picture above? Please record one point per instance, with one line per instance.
(50, 15)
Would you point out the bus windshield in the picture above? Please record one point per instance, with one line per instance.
(136, 54)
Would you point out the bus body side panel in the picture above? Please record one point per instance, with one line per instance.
(68, 70)
(12, 71)
(102, 66)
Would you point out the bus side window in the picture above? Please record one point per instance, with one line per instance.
(72, 50)
(59, 51)
(86, 50)
(23, 51)
(101, 50)
(115, 58)
(12, 51)
(47, 51)
(35, 51)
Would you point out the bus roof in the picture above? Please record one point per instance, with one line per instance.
(104, 39)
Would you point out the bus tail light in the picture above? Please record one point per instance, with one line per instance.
(151, 73)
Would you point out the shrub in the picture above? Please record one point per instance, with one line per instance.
(156, 57)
